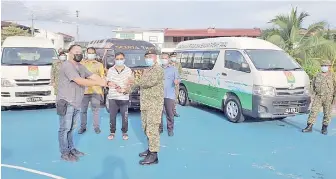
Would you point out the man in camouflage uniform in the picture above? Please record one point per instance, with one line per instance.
(151, 106)
(324, 95)
(176, 64)
(55, 68)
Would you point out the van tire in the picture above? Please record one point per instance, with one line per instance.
(234, 115)
(183, 98)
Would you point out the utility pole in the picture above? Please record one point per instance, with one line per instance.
(77, 13)
(32, 25)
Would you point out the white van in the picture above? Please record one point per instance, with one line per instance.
(25, 71)
(243, 77)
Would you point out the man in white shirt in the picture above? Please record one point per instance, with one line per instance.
(118, 77)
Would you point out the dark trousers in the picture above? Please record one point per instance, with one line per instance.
(168, 109)
(114, 106)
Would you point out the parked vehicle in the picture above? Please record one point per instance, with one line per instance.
(243, 77)
(25, 71)
(134, 51)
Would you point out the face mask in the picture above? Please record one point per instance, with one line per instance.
(63, 58)
(173, 59)
(78, 57)
(119, 62)
(149, 61)
(91, 56)
(324, 69)
(164, 61)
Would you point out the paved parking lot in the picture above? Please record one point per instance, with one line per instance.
(205, 146)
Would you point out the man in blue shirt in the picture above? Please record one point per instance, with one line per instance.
(171, 79)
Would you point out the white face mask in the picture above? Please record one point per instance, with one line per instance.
(91, 56)
(164, 61)
(324, 69)
(63, 57)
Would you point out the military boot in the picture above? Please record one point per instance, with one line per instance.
(309, 128)
(324, 129)
(144, 154)
(150, 159)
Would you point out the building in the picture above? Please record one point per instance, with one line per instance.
(60, 40)
(167, 39)
(154, 36)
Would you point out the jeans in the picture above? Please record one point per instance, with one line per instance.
(65, 133)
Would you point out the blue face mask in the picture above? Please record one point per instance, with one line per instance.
(149, 61)
(119, 62)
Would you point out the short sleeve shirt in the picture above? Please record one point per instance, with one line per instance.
(69, 90)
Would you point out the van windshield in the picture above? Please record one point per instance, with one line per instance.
(265, 59)
(28, 56)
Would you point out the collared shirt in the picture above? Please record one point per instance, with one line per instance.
(120, 78)
(98, 69)
(69, 90)
(170, 75)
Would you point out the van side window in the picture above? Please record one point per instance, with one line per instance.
(198, 60)
(209, 60)
(233, 60)
(184, 58)
(178, 57)
(190, 60)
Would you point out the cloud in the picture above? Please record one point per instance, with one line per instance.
(97, 19)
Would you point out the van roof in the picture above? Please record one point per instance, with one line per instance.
(22, 41)
(227, 42)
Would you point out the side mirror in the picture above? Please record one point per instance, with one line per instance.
(245, 68)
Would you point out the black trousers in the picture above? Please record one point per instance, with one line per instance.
(168, 109)
(114, 106)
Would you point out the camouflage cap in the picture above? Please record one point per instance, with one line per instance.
(150, 52)
(325, 63)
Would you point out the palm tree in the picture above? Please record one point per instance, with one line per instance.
(306, 45)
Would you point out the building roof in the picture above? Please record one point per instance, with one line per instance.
(137, 30)
(66, 37)
(256, 32)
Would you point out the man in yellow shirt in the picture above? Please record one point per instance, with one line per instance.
(92, 94)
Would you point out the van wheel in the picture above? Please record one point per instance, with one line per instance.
(183, 96)
(233, 110)
(3, 108)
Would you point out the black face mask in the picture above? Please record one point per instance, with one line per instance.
(78, 57)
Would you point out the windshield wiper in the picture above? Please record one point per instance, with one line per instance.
(270, 69)
(294, 69)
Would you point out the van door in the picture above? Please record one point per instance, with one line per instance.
(207, 77)
(237, 79)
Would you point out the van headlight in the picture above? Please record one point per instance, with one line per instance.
(7, 83)
(263, 90)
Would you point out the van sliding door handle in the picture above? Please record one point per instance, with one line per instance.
(224, 74)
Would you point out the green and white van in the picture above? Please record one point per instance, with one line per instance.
(243, 77)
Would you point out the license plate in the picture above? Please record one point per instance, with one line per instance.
(34, 99)
(292, 110)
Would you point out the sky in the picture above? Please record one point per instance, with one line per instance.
(97, 19)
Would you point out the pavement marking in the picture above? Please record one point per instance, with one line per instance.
(32, 171)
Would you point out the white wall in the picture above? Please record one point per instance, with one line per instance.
(57, 39)
(154, 37)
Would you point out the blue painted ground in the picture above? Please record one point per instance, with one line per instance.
(205, 146)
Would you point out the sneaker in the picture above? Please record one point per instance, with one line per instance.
(77, 153)
(97, 130)
(68, 157)
(81, 130)
(111, 136)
